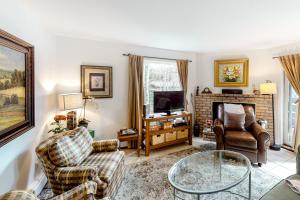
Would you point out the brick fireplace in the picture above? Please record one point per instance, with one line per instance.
(263, 107)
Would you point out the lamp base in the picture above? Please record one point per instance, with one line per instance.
(275, 147)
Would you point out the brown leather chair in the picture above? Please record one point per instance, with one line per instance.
(252, 142)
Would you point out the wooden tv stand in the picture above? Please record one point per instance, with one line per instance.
(148, 134)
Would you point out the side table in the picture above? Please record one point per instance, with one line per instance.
(130, 138)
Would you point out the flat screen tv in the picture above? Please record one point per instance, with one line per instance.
(168, 101)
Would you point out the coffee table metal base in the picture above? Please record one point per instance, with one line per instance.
(198, 195)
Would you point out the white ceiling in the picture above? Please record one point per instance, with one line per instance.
(188, 25)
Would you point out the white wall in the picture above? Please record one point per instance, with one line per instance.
(17, 165)
(57, 70)
(262, 67)
(112, 113)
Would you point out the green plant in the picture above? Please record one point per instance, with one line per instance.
(59, 127)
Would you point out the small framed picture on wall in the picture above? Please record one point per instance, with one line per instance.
(96, 81)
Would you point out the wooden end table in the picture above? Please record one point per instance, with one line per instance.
(130, 138)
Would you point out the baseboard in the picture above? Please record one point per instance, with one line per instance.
(38, 184)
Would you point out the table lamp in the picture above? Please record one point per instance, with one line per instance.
(270, 88)
(70, 102)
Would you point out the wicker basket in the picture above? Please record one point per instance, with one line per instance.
(182, 133)
(171, 136)
(158, 139)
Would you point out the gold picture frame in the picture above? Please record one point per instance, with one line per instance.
(231, 73)
(96, 81)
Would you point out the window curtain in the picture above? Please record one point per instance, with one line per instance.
(291, 66)
(182, 66)
(135, 92)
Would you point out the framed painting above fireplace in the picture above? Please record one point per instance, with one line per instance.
(16, 87)
(231, 73)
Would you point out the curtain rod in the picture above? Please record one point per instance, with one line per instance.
(155, 57)
(284, 55)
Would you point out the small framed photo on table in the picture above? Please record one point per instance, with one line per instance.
(96, 81)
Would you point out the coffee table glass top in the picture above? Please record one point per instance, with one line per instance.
(209, 172)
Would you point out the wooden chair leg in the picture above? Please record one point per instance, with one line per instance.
(138, 145)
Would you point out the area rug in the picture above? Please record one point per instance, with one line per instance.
(148, 180)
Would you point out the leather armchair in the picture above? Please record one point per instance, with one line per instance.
(252, 142)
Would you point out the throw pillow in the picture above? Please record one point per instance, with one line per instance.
(234, 108)
(234, 121)
(63, 152)
(83, 140)
(72, 149)
(234, 116)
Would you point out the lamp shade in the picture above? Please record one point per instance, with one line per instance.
(70, 101)
(268, 88)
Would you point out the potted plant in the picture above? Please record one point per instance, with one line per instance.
(58, 125)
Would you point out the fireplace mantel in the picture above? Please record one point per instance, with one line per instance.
(263, 107)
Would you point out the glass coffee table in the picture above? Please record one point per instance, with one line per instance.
(210, 173)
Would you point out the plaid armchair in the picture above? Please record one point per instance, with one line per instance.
(72, 158)
(84, 191)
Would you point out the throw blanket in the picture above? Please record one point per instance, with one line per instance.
(234, 108)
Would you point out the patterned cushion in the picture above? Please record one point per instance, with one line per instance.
(18, 195)
(78, 174)
(72, 149)
(84, 191)
(106, 162)
(106, 145)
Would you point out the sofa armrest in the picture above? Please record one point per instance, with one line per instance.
(85, 190)
(261, 135)
(18, 195)
(105, 145)
(219, 132)
(75, 175)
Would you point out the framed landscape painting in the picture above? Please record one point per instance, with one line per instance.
(96, 81)
(16, 87)
(231, 73)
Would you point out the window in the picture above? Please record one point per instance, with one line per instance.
(159, 76)
(290, 114)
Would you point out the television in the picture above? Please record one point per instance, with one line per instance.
(168, 101)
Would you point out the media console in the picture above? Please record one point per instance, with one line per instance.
(165, 134)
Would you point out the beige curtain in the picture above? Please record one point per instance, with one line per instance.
(182, 66)
(135, 92)
(291, 66)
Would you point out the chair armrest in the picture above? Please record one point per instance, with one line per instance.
(106, 145)
(86, 191)
(219, 132)
(18, 195)
(75, 175)
(261, 135)
(298, 161)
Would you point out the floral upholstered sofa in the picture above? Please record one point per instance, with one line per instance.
(71, 158)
